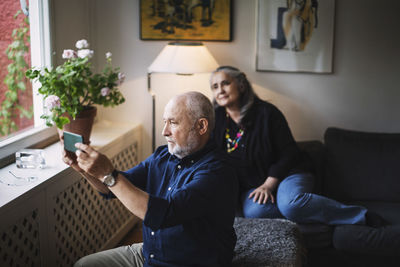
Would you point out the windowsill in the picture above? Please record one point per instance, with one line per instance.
(103, 135)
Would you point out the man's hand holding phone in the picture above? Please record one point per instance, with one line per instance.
(69, 140)
(86, 159)
(91, 164)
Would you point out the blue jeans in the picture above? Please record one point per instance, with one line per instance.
(252, 209)
(295, 202)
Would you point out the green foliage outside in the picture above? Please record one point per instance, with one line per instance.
(15, 79)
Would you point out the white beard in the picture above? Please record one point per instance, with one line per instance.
(192, 143)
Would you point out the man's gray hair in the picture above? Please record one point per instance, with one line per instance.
(199, 106)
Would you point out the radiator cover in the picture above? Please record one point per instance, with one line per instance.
(66, 219)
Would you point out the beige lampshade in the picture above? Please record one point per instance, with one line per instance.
(184, 58)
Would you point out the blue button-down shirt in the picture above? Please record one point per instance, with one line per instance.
(191, 208)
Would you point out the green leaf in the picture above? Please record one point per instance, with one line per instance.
(14, 79)
(26, 113)
(21, 85)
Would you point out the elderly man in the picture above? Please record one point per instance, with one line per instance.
(185, 193)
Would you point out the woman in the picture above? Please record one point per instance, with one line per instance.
(273, 177)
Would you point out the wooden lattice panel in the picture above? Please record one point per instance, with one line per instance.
(84, 219)
(19, 244)
(127, 158)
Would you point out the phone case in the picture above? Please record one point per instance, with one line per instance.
(70, 139)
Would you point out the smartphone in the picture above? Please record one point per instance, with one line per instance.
(70, 139)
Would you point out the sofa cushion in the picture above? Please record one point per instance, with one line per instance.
(316, 235)
(389, 211)
(362, 166)
(313, 153)
(367, 240)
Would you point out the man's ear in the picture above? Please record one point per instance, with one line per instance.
(202, 126)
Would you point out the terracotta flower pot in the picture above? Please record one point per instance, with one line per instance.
(82, 124)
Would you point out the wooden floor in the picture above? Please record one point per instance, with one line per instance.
(134, 236)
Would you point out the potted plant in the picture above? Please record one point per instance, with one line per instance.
(71, 90)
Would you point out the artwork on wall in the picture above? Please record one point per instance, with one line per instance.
(199, 20)
(295, 35)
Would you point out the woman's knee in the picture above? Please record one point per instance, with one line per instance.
(292, 208)
(251, 209)
(255, 210)
(293, 195)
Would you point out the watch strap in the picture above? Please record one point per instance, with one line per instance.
(115, 173)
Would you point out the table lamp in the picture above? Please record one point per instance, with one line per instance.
(182, 58)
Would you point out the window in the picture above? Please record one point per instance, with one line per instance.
(30, 131)
(16, 90)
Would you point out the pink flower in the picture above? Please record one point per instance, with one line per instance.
(105, 91)
(82, 44)
(108, 55)
(121, 78)
(85, 53)
(68, 53)
(52, 101)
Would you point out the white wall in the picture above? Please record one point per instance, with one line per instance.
(362, 93)
(71, 21)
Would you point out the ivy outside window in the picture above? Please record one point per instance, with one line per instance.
(16, 91)
(24, 41)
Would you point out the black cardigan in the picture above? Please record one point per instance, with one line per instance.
(269, 147)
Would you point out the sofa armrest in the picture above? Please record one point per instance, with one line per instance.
(313, 152)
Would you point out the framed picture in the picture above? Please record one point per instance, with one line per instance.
(201, 20)
(295, 35)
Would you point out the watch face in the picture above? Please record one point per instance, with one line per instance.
(109, 180)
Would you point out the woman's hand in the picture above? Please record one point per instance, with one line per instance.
(264, 192)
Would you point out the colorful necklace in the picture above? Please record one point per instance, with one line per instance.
(231, 145)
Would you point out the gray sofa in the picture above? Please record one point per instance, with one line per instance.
(356, 168)
(352, 167)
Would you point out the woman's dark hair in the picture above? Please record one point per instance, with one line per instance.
(247, 95)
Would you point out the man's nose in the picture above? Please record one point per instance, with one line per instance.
(165, 130)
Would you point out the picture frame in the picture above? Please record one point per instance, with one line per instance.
(189, 20)
(295, 35)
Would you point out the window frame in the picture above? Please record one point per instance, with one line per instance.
(41, 47)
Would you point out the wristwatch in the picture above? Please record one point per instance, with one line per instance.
(110, 179)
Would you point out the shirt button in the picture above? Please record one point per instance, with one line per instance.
(152, 256)
(192, 161)
(179, 167)
(152, 233)
(169, 188)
